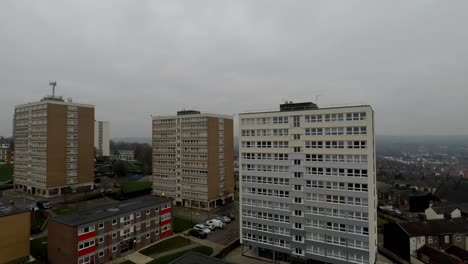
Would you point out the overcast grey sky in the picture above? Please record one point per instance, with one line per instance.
(408, 59)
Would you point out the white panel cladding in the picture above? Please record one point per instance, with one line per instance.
(329, 156)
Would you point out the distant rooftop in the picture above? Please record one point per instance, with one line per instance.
(437, 256)
(197, 258)
(434, 227)
(7, 209)
(110, 210)
(442, 208)
(458, 252)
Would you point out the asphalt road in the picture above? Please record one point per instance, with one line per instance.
(224, 236)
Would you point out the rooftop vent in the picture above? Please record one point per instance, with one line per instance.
(290, 106)
(188, 112)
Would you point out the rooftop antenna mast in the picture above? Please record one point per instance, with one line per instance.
(316, 98)
(53, 84)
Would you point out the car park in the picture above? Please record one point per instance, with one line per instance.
(215, 223)
(203, 228)
(197, 233)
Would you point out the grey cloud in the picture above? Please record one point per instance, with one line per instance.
(408, 59)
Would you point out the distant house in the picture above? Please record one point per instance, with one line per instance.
(443, 211)
(405, 238)
(124, 155)
(5, 153)
(430, 255)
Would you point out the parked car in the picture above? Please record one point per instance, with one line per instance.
(43, 205)
(33, 208)
(224, 219)
(211, 226)
(216, 223)
(231, 216)
(197, 233)
(203, 228)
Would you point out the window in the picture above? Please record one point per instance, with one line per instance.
(447, 239)
(296, 120)
(114, 221)
(114, 248)
(101, 240)
(429, 239)
(297, 187)
(298, 174)
(148, 236)
(157, 231)
(297, 212)
(296, 136)
(147, 211)
(138, 215)
(101, 253)
(458, 238)
(297, 200)
(86, 244)
(101, 225)
(298, 225)
(148, 223)
(114, 235)
(298, 251)
(297, 149)
(85, 230)
(297, 162)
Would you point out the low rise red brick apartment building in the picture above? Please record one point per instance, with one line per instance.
(104, 233)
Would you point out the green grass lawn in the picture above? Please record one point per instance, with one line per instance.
(64, 210)
(6, 172)
(39, 249)
(134, 186)
(180, 224)
(166, 245)
(168, 259)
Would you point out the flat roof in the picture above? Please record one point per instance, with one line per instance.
(107, 211)
(197, 258)
(308, 110)
(53, 102)
(192, 115)
(7, 209)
